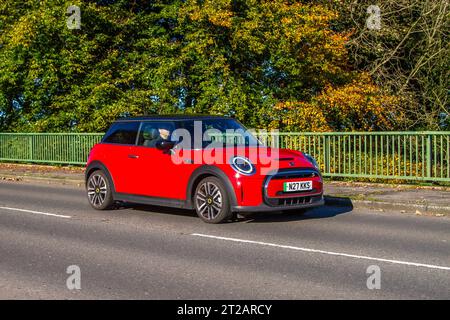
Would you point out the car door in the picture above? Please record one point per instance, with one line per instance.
(159, 175)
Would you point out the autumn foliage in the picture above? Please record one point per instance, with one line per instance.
(357, 106)
(271, 64)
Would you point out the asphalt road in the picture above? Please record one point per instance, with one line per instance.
(142, 252)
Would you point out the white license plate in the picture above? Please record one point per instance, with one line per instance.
(297, 186)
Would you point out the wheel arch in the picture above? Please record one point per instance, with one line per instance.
(97, 165)
(209, 171)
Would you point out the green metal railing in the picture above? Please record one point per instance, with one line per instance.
(55, 148)
(384, 155)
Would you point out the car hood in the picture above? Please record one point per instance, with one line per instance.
(285, 158)
(282, 158)
(262, 157)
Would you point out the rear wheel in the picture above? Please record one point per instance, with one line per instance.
(99, 191)
(211, 201)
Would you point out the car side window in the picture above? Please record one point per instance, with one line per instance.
(152, 133)
(122, 133)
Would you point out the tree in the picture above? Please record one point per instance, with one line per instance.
(244, 57)
(262, 61)
(408, 56)
(57, 79)
(357, 106)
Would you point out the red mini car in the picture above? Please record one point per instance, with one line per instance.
(208, 163)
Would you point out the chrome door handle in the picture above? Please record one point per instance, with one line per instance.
(133, 156)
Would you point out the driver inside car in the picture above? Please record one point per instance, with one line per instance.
(153, 135)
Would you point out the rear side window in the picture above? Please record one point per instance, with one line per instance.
(122, 133)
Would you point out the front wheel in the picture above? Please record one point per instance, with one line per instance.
(211, 201)
(99, 191)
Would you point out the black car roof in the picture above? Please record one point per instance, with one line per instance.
(176, 117)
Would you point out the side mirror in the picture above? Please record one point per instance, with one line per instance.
(165, 145)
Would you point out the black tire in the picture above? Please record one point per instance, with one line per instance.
(99, 191)
(211, 201)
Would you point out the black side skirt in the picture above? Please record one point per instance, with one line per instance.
(155, 201)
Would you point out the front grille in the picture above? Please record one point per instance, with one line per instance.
(295, 174)
(282, 193)
(293, 201)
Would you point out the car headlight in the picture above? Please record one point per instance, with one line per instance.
(242, 165)
(311, 159)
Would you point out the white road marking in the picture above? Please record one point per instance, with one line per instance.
(415, 264)
(37, 212)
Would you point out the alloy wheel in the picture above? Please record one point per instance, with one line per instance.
(97, 190)
(209, 200)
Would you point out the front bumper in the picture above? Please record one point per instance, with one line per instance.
(314, 201)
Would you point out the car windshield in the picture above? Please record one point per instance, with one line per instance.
(219, 133)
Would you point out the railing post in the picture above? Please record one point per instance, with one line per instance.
(30, 147)
(428, 145)
(326, 154)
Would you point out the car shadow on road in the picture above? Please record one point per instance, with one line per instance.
(322, 212)
(158, 209)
